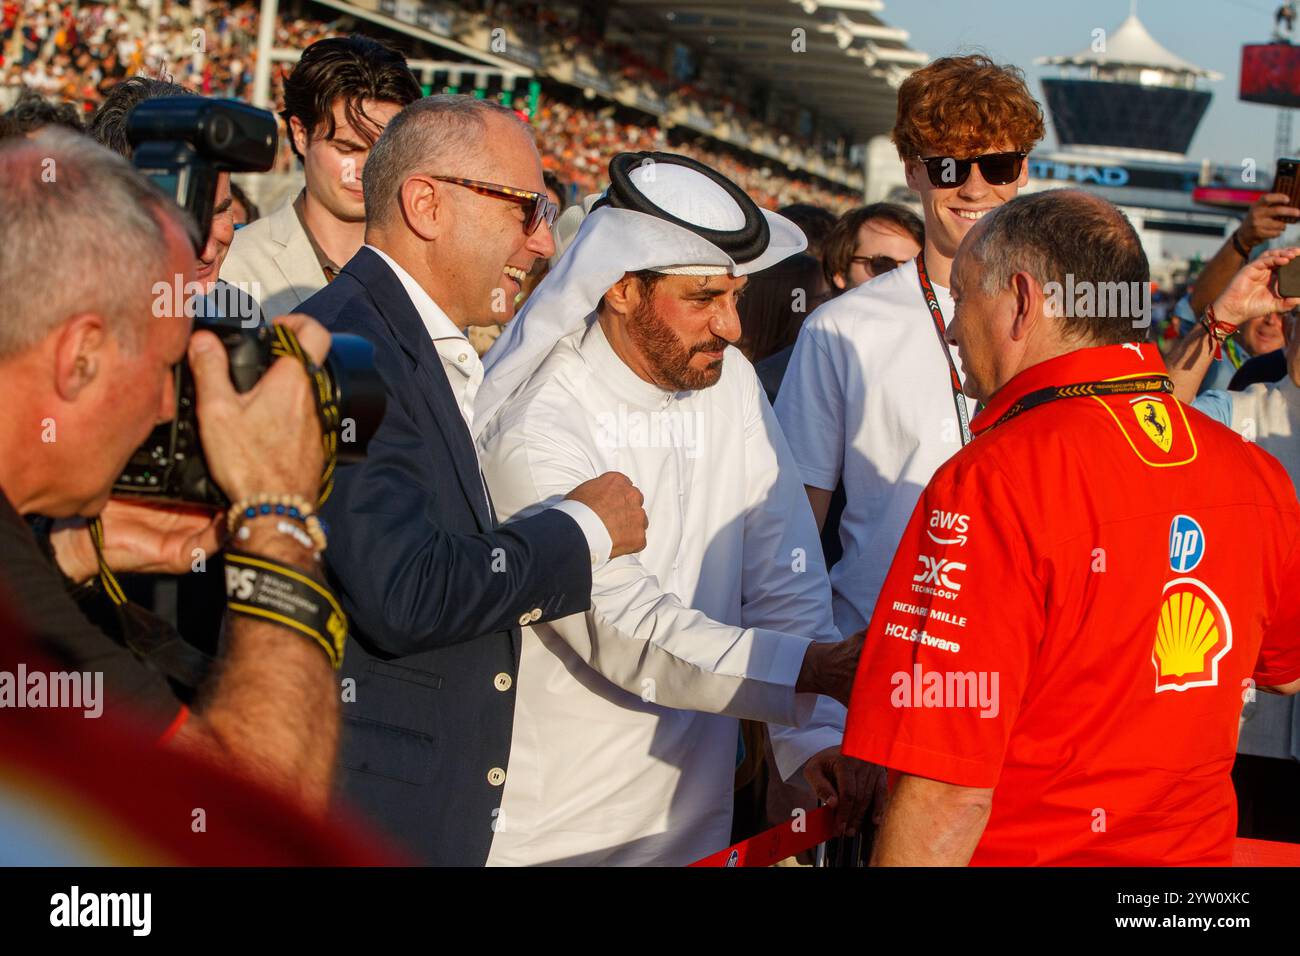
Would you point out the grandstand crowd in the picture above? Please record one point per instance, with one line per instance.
(77, 52)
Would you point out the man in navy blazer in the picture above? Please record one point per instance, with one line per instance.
(435, 589)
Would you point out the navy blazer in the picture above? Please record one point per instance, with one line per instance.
(435, 592)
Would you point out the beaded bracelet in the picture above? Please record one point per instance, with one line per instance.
(285, 527)
(294, 507)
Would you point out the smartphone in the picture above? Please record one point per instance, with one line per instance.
(1287, 180)
(1288, 279)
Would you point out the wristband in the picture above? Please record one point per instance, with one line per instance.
(258, 587)
(1240, 246)
(1219, 331)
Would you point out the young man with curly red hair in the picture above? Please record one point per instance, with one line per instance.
(872, 396)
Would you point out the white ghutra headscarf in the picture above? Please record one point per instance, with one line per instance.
(662, 212)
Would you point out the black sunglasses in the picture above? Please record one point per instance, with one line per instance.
(876, 265)
(998, 169)
(538, 207)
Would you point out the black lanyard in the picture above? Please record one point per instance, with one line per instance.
(931, 300)
(1128, 386)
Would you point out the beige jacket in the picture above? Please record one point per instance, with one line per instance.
(272, 260)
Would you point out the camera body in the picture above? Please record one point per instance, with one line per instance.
(170, 465)
(182, 144)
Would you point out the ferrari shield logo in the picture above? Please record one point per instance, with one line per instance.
(1154, 419)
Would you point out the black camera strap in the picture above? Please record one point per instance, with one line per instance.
(144, 634)
(286, 345)
(1145, 385)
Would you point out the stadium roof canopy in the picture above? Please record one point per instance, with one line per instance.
(1131, 45)
(846, 64)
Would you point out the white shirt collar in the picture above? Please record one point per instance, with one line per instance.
(451, 344)
(435, 320)
(616, 374)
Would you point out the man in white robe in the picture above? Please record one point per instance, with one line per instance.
(626, 719)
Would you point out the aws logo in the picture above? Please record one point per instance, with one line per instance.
(950, 525)
(1193, 634)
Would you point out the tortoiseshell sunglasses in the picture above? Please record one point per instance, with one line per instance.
(538, 207)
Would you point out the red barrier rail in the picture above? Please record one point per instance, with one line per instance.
(1265, 853)
(787, 839)
(783, 840)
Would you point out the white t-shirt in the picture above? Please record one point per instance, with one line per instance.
(868, 398)
(1266, 414)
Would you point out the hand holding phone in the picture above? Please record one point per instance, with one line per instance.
(1286, 180)
(1257, 288)
(1288, 279)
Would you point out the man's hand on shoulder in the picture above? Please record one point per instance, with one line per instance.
(618, 503)
(830, 666)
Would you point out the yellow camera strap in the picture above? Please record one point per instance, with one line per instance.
(285, 344)
(106, 576)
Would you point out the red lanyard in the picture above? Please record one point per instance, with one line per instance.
(932, 301)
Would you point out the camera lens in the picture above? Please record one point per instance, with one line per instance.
(221, 131)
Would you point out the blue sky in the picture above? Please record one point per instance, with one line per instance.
(1209, 33)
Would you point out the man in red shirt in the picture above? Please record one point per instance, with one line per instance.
(1086, 593)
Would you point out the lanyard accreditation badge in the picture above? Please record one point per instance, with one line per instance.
(936, 313)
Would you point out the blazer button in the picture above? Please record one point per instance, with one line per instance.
(502, 681)
(536, 615)
(525, 619)
(496, 776)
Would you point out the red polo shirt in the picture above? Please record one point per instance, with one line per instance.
(1081, 599)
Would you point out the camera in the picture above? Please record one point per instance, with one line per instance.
(182, 144)
(170, 465)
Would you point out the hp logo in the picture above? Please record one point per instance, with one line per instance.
(1186, 544)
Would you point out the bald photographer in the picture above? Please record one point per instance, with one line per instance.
(88, 347)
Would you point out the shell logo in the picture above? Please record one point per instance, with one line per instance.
(1193, 634)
